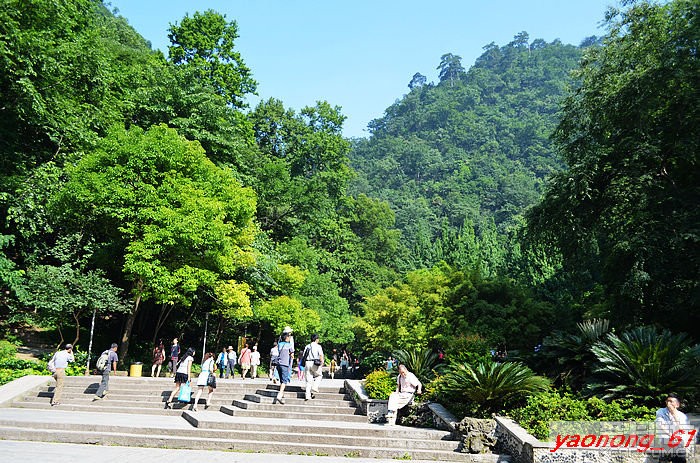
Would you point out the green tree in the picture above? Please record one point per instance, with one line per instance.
(204, 43)
(624, 214)
(61, 296)
(173, 220)
(450, 68)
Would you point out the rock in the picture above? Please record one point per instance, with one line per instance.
(478, 435)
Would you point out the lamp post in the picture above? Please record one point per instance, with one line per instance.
(89, 352)
(204, 343)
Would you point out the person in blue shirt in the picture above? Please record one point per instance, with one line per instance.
(284, 368)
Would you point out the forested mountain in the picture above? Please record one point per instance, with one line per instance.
(461, 160)
(498, 203)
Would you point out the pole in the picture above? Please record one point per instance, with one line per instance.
(204, 343)
(92, 330)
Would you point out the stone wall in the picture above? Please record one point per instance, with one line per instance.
(524, 448)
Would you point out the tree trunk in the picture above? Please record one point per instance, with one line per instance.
(124, 347)
(162, 317)
(77, 330)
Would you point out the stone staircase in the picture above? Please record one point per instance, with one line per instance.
(242, 418)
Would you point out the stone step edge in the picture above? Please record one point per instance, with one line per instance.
(250, 406)
(270, 434)
(166, 441)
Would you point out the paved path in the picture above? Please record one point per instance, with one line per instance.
(75, 453)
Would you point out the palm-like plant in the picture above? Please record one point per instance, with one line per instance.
(490, 385)
(422, 363)
(572, 351)
(644, 364)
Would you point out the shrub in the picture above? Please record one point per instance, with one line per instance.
(7, 350)
(467, 349)
(644, 364)
(379, 385)
(422, 363)
(374, 361)
(489, 385)
(543, 408)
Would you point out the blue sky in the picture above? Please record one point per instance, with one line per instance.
(360, 54)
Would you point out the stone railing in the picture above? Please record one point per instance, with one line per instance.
(374, 409)
(524, 448)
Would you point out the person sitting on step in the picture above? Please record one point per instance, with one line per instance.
(407, 386)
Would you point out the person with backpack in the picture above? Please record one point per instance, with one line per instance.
(105, 364)
(313, 360)
(183, 374)
(57, 365)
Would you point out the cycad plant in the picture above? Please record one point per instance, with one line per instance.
(490, 385)
(571, 352)
(422, 363)
(644, 364)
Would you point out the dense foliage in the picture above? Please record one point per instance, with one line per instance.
(543, 408)
(513, 207)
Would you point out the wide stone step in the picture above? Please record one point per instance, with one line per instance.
(101, 407)
(299, 399)
(302, 394)
(209, 420)
(277, 445)
(281, 413)
(305, 407)
(267, 433)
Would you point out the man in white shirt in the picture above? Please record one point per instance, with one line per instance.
(669, 420)
(313, 367)
(407, 386)
(232, 359)
(61, 359)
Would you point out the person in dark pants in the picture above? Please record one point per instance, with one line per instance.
(112, 360)
(174, 357)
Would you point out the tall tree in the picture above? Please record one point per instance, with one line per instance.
(159, 207)
(204, 43)
(450, 68)
(630, 135)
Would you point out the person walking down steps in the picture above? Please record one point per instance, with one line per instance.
(107, 365)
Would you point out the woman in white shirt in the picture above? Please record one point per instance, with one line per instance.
(206, 378)
(183, 374)
(254, 362)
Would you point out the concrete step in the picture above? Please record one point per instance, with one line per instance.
(163, 440)
(281, 413)
(265, 434)
(208, 420)
(298, 398)
(302, 394)
(296, 406)
(102, 407)
(221, 395)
